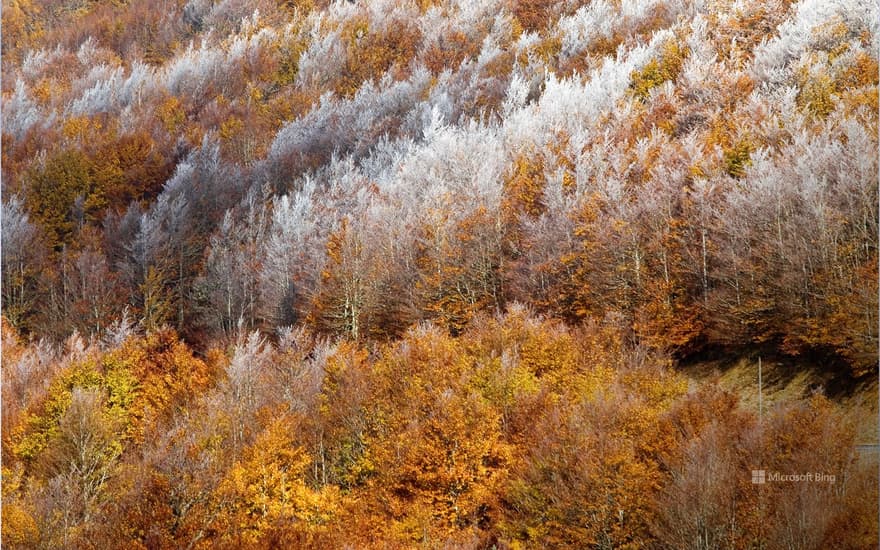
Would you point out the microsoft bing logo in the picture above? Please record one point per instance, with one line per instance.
(759, 476)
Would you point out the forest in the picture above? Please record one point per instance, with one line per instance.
(434, 273)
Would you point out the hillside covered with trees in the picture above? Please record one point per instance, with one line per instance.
(418, 274)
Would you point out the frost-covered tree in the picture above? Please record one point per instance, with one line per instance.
(228, 287)
(23, 257)
(293, 256)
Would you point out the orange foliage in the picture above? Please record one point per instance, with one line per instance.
(460, 270)
(371, 53)
(533, 15)
(524, 187)
(450, 51)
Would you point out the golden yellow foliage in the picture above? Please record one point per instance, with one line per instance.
(266, 490)
(659, 70)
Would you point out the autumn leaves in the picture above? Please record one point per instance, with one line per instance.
(518, 432)
(341, 208)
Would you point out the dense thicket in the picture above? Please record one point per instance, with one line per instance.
(706, 171)
(685, 176)
(517, 433)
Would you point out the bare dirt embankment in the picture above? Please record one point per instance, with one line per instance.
(785, 379)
